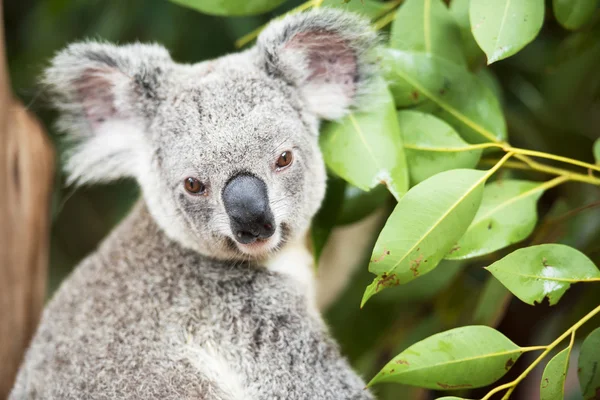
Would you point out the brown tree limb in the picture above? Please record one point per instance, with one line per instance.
(26, 172)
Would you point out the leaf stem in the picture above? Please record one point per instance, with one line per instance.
(454, 149)
(558, 171)
(390, 5)
(523, 154)
(388, 15)
(571, 331)
(549, 156)
(528, 164)
(495, 168)
(533, 348)
(385, 20)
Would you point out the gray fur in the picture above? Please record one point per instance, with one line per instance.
(170, 306)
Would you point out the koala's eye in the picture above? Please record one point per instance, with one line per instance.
(194, 186)
(284, 160)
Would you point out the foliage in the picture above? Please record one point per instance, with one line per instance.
(479, 98)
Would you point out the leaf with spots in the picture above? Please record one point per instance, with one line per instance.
(572, 14)
(230, 7)
(552, 385)
(365, 148)
(426, 26)
(424, 226)
(461, 358)
(508, 214)
(589, 366)
(503, 27)
(459, 97)
(432, 146)
(547, 270)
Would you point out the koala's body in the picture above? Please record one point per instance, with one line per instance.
(206, 290)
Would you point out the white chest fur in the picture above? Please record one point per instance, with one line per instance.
(296, 261)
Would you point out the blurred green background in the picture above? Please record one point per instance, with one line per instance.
(551, 96)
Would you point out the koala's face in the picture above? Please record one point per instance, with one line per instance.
(238, 160)
(226, 151)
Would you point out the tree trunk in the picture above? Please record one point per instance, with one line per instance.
(26, 172)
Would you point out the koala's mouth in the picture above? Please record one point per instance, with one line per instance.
(261, 247)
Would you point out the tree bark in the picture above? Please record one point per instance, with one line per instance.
(26, 173)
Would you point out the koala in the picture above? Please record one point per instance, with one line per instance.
(206, 289)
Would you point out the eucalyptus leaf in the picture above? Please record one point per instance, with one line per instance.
(597, 151)
(552, 385)
(427, 26)
(460, 11)
(460, 98)
(588, 369)
(508, 214)
(572, 14)
(425, 224)
(432, 146)
(365, 148)
(503, 27)
(461, 358)
(426, 287)
(547, 270)
(230, 7)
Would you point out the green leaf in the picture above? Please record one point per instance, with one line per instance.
(432, 146)
(503, 27)
(460, 11)
(507, 215)
(597, 151)
(426, 287)
(589, 366)
(461, 358)
(358, 203)
(366, 148)
(425, 224)
(460, 97)
(572, 14)
(327, 216)
(426, 26)
(230, 7)
(368, 8)
(552, 386)
(547, 270)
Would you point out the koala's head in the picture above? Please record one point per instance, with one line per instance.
(225, 151)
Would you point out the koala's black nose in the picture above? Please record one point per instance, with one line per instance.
(247, 204)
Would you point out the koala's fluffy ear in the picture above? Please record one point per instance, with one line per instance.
(325, 53)
(106, 96)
